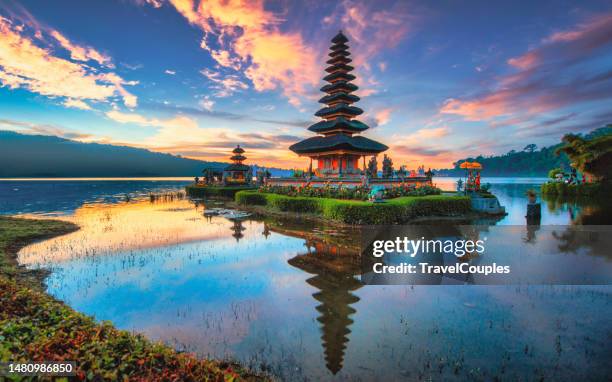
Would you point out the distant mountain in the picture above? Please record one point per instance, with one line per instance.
(23, 155)
(528, 162)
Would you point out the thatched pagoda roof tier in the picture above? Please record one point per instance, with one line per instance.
(237, 167)
(340, 38)
(337, 142)
(341, 108)
(238, 157)
(342, 86)
(238, 150)
(339, 60)
(337, 53)
(342, 97)
(338, 47)
(339, 76)
(338, 67)
(339, 123)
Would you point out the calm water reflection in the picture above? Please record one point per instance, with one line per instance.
(272, 296)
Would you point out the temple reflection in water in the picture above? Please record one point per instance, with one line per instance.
(333, 271)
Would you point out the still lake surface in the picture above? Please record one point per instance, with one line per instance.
(265, 292)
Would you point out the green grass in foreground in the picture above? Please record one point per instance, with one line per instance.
(36, 327)
(392, 211)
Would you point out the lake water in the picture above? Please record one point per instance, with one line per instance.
(276, 297)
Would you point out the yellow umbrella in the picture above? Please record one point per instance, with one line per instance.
(471, 165)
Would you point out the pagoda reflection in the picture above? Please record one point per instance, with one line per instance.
(333, 269)
(237, 229)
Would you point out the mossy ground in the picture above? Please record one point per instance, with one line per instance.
(36, 327)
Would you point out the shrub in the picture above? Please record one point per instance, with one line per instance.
(293, 203)
(353, 193)
(398, 210)
(565, 189)
(223, 191)
(246, 198)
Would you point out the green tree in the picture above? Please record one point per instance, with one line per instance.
(589, 156)
(553, 173)
(387, 167)
(373, 167)
(530, 148)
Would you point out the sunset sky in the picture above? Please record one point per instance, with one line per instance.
(438, 80)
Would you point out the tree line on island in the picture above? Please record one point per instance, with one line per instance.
(531, 160)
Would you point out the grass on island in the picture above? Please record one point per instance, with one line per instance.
(223, 191)
(36, 327)
(392, 211)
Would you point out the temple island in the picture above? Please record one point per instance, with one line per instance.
(338, 147)
(337, 189)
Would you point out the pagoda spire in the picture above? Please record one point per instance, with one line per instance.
(339, 113)
(238, 158)
(339, 122)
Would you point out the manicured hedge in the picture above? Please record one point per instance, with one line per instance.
(564, 189)
(250, 198)
(204, 191)
(396, 210)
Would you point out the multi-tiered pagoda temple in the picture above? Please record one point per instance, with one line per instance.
(237, 173)
(338, 147)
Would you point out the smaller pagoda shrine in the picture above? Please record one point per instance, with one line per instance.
(237, 173)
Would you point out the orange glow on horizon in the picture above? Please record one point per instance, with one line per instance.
(111, 228)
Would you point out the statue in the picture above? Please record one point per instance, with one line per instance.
(402, 172)
(429, 174)
(376, 194)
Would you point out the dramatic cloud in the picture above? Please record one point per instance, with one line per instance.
(138, 119)
(182, 135)
(224, 85)
(242, 35)
(371, 30)
(77, 104)
(23, 64)
(223, 115)
(383, 116)
(81, 53)
(423, 145)
(42, 129)
(549, 77)
(207, 103)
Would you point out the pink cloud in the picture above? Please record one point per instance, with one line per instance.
(249, 38)
(81, 53)
(383, 116)
(546, 79)
(591, 26)
(24, 64)
(526, 61)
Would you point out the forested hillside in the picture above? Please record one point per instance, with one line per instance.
(530, 161)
